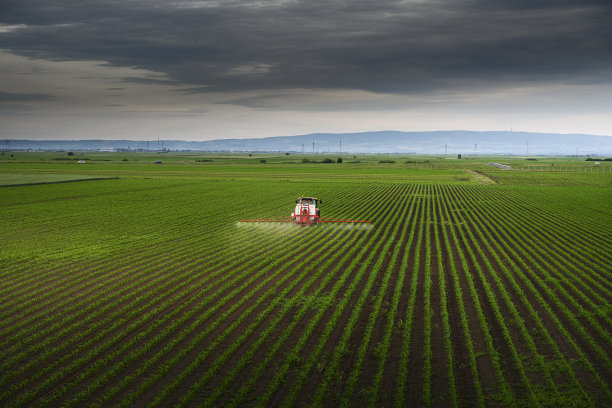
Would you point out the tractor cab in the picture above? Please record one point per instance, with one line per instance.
(306, 211)
(309, 200)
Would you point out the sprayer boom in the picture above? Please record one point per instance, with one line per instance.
(307, 213)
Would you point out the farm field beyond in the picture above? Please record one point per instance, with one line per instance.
(128, 283)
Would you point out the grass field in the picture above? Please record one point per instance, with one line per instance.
(474, 286)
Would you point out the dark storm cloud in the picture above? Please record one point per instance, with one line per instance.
(25, 97)
(383, 46)
(149, 81)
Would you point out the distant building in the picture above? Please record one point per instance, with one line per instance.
(500, 166)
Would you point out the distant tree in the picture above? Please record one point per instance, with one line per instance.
(339, 160)
(458, 156)
(263, 161)
(287, 154)
(327, 161)
(70, 154)
(305, 160)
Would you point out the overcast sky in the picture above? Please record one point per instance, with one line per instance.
(199, 70)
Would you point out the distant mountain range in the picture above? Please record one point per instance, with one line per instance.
(440, 142)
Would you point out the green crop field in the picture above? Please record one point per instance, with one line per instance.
(135, 284)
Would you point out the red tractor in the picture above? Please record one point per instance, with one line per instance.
(306, 211)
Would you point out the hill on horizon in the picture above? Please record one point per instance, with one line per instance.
(388, 141)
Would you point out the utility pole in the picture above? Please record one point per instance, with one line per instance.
(312, 147)
(528, 148)
(340, 146)
(475, 149)
(302, 148)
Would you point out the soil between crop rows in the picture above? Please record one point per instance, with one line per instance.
(320, 324)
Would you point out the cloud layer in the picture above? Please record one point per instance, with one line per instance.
(383, 46)
(272, 48)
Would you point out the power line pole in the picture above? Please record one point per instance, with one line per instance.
(475, 149)
(312, 147)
